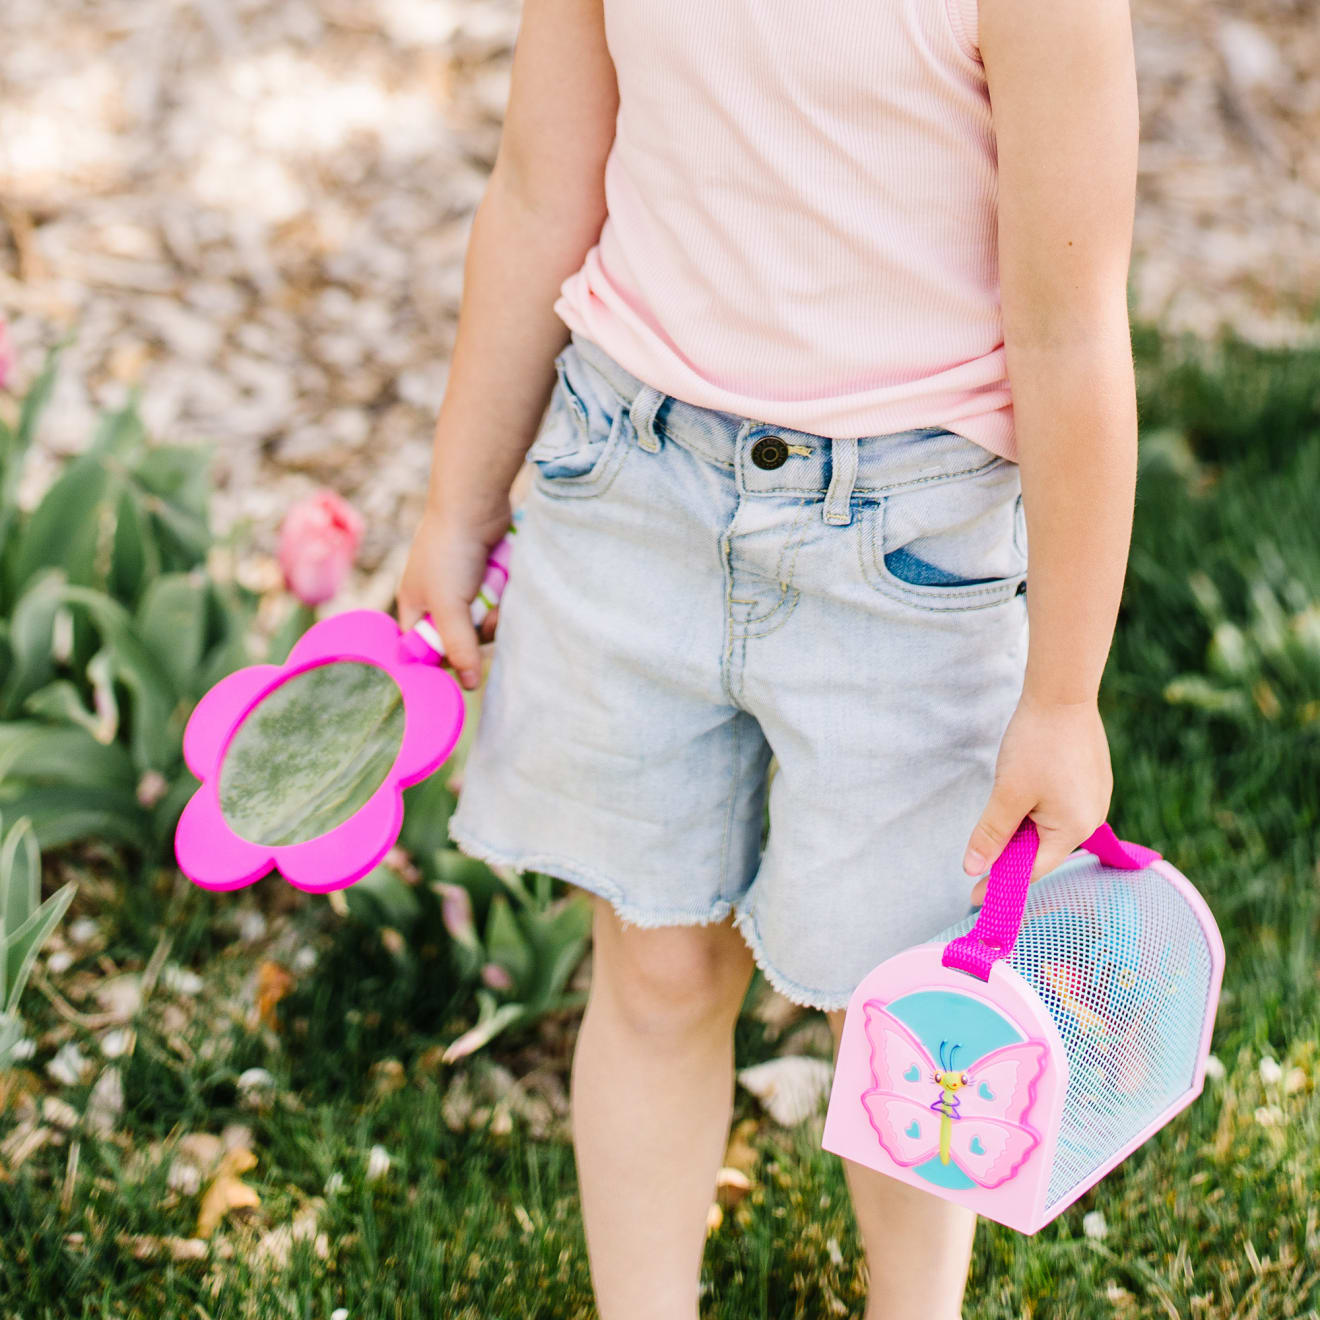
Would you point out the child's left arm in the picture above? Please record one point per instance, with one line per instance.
(1062, 81)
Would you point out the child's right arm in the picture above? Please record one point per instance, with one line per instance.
(542, 210)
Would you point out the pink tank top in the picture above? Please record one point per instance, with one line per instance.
(802, 217)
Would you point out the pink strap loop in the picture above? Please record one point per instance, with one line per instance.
(1000, 919)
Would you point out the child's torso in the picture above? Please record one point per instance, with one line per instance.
(802, 214)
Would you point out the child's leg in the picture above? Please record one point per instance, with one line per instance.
(652, 1098)
(918, 1247)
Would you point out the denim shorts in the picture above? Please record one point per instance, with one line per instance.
(746, 669)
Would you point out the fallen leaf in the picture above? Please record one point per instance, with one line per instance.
(776, 1011)
(387, 1076)
(731, 1185)
(275, 1247)
(274, 981)
(196, 1157)
(227, 1191)
(59, 1113)
(143, 1246)
(120, 995)
(21, 1144)
(70, 1065)
(18, 1086)
(791, 1088)
(106, 1102)
(741, 1154)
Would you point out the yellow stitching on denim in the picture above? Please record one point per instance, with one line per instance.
(797, 529)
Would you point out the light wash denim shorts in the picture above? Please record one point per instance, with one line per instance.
(708, 616)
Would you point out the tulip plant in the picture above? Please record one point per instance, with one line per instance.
(26, 924)
(113, 625)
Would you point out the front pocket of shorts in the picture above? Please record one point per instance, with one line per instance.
(581, 443)
(954, 544)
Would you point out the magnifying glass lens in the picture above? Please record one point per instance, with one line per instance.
(311, 753)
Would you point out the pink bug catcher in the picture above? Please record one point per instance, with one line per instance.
(303, 764)
(1016, 1058)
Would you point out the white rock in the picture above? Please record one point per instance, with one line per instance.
(791, 1088)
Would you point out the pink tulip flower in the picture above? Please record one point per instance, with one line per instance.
(318, 539)
(496, 976)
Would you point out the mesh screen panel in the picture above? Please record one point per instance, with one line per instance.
(1123, 966)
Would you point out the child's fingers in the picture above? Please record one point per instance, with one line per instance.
(453, 622)
(488, 625)
(998, 823)
(1056, 845)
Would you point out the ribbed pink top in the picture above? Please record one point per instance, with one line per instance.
(802, 215)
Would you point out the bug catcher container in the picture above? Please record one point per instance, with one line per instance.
(1016, 1058)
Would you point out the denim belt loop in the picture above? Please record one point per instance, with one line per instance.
(843, 477)
(642, 410)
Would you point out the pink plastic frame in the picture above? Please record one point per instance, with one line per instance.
(1020, 1202)
(213, 856)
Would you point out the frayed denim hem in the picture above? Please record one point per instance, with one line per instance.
(563, 868)
(799, 994)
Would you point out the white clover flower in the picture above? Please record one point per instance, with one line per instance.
(83, 931)
(378, 1163)
(256, 1088)
(181, 980)
(1094, 1226)
(1270, 1072)
(1214, 1068)
(116, 1042)
(334, 1184)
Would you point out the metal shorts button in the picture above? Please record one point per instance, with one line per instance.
(770, 451)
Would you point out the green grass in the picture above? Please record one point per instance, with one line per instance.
(1217, 1217)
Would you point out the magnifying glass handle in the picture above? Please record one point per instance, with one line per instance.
(422, 641)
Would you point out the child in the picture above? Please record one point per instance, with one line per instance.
(779, 506)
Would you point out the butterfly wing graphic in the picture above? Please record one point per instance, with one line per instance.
(902, 1077)
(990, 1152)
(989, 1140)
(1002, 1084)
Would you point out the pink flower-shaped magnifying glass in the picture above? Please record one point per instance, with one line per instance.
(303, 764)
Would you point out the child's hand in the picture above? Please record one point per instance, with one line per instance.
(445, 567)
(1054, 767)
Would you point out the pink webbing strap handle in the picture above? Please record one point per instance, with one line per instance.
(1000, 919)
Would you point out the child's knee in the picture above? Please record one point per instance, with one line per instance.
(671, 978)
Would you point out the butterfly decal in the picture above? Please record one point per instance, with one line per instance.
(973, 1117)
